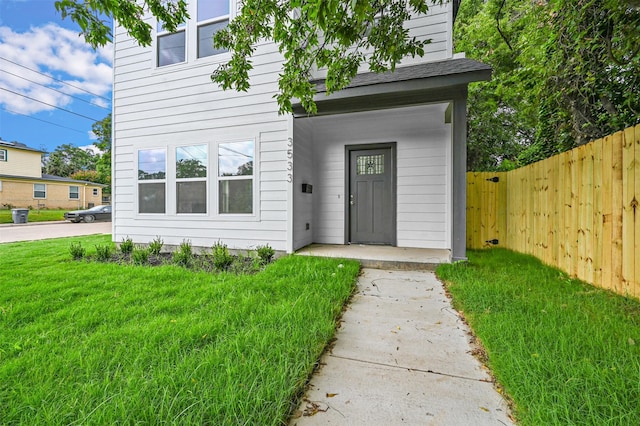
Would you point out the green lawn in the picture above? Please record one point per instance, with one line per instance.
(565, 352)
(94, 343)
(34, 215)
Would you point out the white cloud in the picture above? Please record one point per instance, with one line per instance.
(56, 52)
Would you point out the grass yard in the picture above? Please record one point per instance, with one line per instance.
(94, 343)
(565, 352)
(34, 215)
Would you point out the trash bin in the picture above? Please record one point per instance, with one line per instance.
(20, 215)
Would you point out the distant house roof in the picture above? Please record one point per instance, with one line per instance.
(52, 178)
(18, 145)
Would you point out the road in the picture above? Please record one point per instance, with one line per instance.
(44, 230)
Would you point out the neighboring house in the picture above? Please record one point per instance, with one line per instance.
(22, 184)
(383, 162)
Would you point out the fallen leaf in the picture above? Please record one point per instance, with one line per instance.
(484, 409)
(631, 341)
(331, 395)
(297, 414)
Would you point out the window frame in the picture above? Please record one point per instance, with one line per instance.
(252, 178)
(44, 191)
(208, 21)
(151, 181)
(77, 197)
(3, 155)
(204, 178)
(95, 192)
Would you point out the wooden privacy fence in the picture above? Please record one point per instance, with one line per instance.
(578, 211)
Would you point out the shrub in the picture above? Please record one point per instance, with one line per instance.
(77, 251)
(222, 259)
(103, 252)
(140, 256)
(266, 253)
(184, 255)
(126, 246)
(155, 246)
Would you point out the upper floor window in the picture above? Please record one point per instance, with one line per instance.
(194, 38)
(3, 155)
(171, 46)
(74, 193)
(213, 15)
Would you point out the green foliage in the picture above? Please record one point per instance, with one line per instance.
(77, 251)
(140, 255)
(565, 72)
(104, 252)
(128, 13)
(265, 253)
(67, 159)
(102, 130)
(222, 259)
(183, 256)
(155, 246)
(126, 246)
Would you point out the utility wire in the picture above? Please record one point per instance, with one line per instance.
(53, 78)
(44, 121)
(55, 90)
(53, 106)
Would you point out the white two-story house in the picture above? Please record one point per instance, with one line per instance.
(383, 161)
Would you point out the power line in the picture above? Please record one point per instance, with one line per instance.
(53, 106)
(55, 90)
(44, 121)
(55, 79)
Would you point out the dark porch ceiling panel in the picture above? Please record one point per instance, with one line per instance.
(411, 85)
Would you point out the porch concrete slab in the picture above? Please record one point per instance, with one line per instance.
(402, 355)
(381, 257)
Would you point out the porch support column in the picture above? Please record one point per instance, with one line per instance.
(459, 163)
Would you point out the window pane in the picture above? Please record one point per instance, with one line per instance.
(74, 193)
(235, 159)
(192, 197)
(370, 164)
(151, 197)
(236, 196)
(205, 39)
(39, 190)
(212, 9)
(191, 161)
(152, 164)
(171, 49)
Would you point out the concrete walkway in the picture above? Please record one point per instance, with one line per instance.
(42, 230)
(402, 356)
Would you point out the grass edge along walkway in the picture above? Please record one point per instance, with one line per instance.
(92, 343)
(565, 352)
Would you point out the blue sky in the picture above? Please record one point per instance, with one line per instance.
(53, 86)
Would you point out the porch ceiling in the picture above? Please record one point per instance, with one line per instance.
(411, 85)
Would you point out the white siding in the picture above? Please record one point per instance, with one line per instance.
(302, 173)
(179, 105)
(423, 172)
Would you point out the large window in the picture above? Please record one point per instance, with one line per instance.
(213, 15)
(235, 177)
(39, 190)
(152, 174)
(171, 46)
(3, 155)
(74, 193)
(191, 179)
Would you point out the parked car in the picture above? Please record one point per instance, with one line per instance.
(89, 215)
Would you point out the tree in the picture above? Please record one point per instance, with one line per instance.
(565, 72)
(67, 159)
(333, 34)
(102, 130)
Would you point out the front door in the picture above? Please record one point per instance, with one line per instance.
(371, 201)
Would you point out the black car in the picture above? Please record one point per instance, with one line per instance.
(89, 215)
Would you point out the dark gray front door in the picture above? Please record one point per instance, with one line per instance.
(371, 201)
